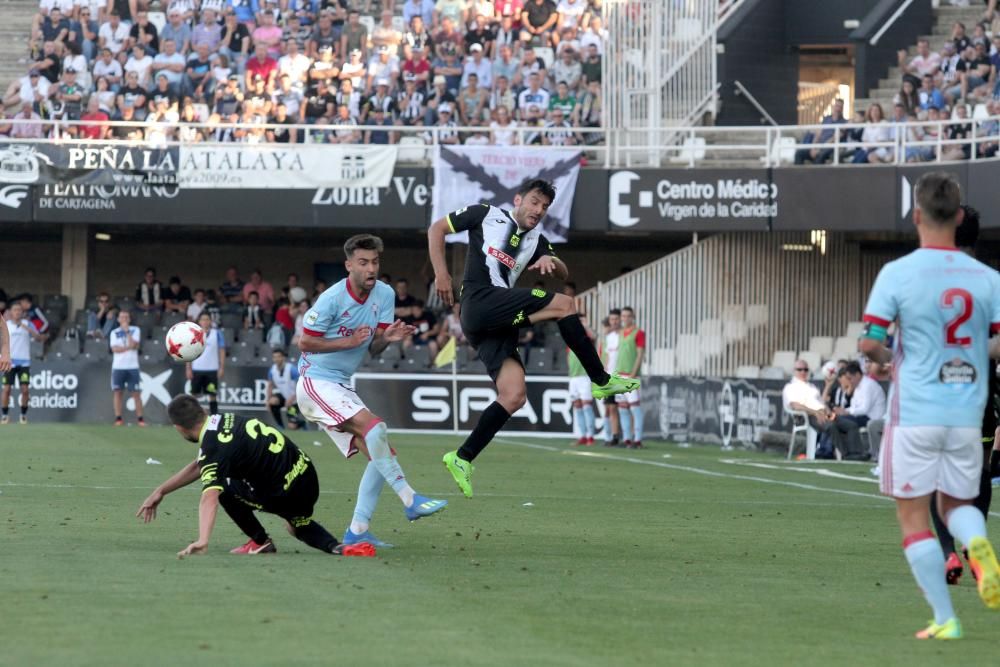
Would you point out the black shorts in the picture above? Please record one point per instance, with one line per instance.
(21, 373)
(205, 382)
(491, 317)
(295, 505)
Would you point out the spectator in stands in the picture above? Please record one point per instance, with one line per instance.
(568, 69)
(422, 8)
(245, 11)
(267, 36)
(295, 31)
(55, 28)
(478, 65)
(170, 63)
(503, 129)
(281, 380)
(928, 95)
(177, 298)
(876, 131)
(32, 90)
(145, 34)
(235, 43)
(451, 328)
(417, 37)
(907, 97)
(198, 81)
(125, 340)
(867, 403)
(563, 99)
(534, 94)
(916, 136)
(198, 306)
(404, 301)
(323, 35)
(958, 133)
(96, 121)
(110, 69)
(594, 34)
(299, 310)
(141, 63)
(410, 102)
(148, 295)
(384, 66)
(445, 127)
(319, 287)
(261, 65)
(105, 96)
(385, 34)
(420, 67)
(294, 65)
(482, 34)
(801, 395)
(989, 129)
(427, 331)
(538, 22)
(253, 315)
(381, 100)
(448, 39)
(33, 314)
(506, 66)
(208, 32)
(320, 106)
(265, 292)
(924, 63)
(347, 125)
(353, 72)
(355, 35)
(976, 79)
(826, 136)
(177, 31)
(959, 38)
(473, 103)
(558, 131)
(104, 319)
(284, 318)
(502, 96)
(450, 70)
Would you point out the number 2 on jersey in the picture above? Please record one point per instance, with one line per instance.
(255, 427)
(948, 300)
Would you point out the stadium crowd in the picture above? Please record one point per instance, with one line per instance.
(946, 84)
(515, 70)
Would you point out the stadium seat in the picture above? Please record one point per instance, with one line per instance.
(154, 351)
(393, 352)
(232, 309)
(417, 359)
(546, 55)
(170, 319)
(749, 372)
(201, 111)
(980, 112)
(559, 360)
(399, 24)
(231, 320)
(538, 359)
(785, 360)
(811, 358)
(243, 354)
(412, 149)
(712, 346)
(229, 335)
(772, 373)
(854, 330)
(381, 364)
(800, 424)
(845, 347)
(96, 349)
(148, 321)
(125, 302)
(688, 354)
(56, 304)
(734, 330)
(37, 349)
(81, 319)
(693, 149)
(757, 314)
(821, 345)
(368, 22)
(710, 328)
(66, 348)
(253, 337)
(159, 19)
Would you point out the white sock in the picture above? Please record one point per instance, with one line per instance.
(388, 466)
(966, 522)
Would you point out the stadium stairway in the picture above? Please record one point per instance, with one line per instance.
(945, 16)
(15, 26)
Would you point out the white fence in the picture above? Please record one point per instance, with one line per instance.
(735, 299)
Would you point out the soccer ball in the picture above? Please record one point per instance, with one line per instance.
(829, 370)
(185, 341)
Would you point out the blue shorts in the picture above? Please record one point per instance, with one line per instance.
(120, 377)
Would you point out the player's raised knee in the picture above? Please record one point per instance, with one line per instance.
(513, 400)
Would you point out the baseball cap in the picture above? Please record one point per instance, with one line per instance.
(71, 70)
(444, 108)
(233, 77)
(326, 48)
(356, 52)
(476, 47)
(383, 48)
(409, 76)
(382, 82)
(439, 78)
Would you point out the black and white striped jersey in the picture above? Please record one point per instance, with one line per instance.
(498, 250)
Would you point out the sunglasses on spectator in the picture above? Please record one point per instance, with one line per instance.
(800, 369)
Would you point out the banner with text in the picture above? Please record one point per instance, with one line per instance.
(465, 175)
(285, 166)
(80, 163)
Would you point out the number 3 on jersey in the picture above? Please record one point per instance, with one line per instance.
(962, 299)
(256, 428)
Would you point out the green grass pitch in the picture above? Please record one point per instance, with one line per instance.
(667, 556)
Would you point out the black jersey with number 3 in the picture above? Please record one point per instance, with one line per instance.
(235, 447)
(498, 250)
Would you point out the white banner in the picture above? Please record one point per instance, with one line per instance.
(465, 175)
(284, 166)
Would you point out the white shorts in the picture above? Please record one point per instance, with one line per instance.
(918, 460)
(330, 404)
(628, 398)
(579, 389)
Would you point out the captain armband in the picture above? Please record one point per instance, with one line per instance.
(874, 331)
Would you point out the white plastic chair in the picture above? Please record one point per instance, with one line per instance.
(159, 19)
(854, 330)
(821, 345)
(785, 360)
(757, 314)
(800, 424)
(812, 359)
(411, 149)
(748, 372)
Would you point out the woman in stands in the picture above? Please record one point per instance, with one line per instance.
(876, 132)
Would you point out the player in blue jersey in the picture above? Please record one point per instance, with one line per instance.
(349, 319)
(943, 302)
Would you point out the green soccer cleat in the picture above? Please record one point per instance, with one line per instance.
(950, 629)
(616, 385)
(461, 470)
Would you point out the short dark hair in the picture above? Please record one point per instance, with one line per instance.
(939, 196)
(279, 350)
(629, 309)
(149, 269)
(253, 292)
(852, 368)
(185, 411)
(175, 280)
(615, 311)
(968, 232)
(540, 184)
(199, 291)
(362, 242)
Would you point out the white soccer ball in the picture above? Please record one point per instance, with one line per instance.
(829, 370)
(297, 294)
(185, 341)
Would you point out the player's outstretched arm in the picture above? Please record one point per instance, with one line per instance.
(436, 248)
(394, 333)
(207, 509)
(180, 479)
(875, 350)
(548, 265)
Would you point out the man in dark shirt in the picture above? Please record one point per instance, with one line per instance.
(231, 291)
(177, 297)
(320, 104)
(538, 22)
(502, 245)
(245, 465)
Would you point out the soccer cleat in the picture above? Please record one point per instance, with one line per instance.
(423, 506)
(590, 442)
(364, 549)
(119, 421)
(142, 422)
(580, 442)
(355, 538)
(251, 548)
(983, 560)
(461, 470)
(616, 385)
(973, 568)
(953, 569)
(627, 444)
(950, 629)
(23, 419)
(637, 444)
(4, 420)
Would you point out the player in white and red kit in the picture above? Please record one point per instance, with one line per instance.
(943, 302)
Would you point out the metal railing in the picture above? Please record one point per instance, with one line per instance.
(815, 100)
(742, 90)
